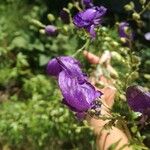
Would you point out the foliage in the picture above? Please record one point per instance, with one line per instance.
(31, 114)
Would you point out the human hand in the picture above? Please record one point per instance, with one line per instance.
(108, 91)
(105, 138)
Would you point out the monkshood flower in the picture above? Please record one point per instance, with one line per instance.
(51, 30)
(124, 31)
(147, 36)
(64, 15)
(89, 19)
(79, 95)
(138, 99)
(87, 3)
(58, 64)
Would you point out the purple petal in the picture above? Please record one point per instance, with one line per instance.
(54, 66)
(78, 96)
(137, 99)
(101, 11)
(87, 3)
(79, 22)
(122, 31)
(92, 31)
(80, 116)
(89, 14)
(71, 107)
(51, 30)
(122, 27)
(89, 18)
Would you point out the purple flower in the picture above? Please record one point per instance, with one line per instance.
(87, 3)
(79, 95)
(56, 65)
(124, 31)
(138, 99)
(51, 30)
(64, 15)
(147, 36)
(89, 19)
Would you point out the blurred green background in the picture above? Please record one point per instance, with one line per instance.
(31, 114)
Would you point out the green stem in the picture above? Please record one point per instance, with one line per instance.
(76, 5)
(126, 130)
(68, 11)
(85, 46)
(131, 61)
(148, 5)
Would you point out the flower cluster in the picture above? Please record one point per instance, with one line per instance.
(64, 15)
(89, 19)
(124, 31)
(79, 95)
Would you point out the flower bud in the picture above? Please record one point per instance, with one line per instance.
(126, 30)
(42, 31)
(116, 56)
(37, 23)
(135, 16)
(78, 130)
(147, 76)
(70, 5)
(91, 111)
(132, 4)
(142, 1)
(123, 40)
(136, 60)
(128, 7)
(64, 15)
(51, 30)
(50, 17)
(107, 38)
(112, 71)
(65, 28)
(114, 43)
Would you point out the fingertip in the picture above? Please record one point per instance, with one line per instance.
(85, 52)
(93, 59)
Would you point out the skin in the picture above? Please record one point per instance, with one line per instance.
(105, 138)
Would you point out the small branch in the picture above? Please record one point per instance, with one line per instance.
(82, 48)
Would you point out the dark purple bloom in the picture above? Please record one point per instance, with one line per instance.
(79, 95)
(138, 99)
(89, 19)
(56, 65)
(51, 30)
(147, 36)
(124, 31)
(87, 3)
(64, 15)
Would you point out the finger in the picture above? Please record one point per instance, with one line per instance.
(105, 57)
(93, 59)
(109, 95)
